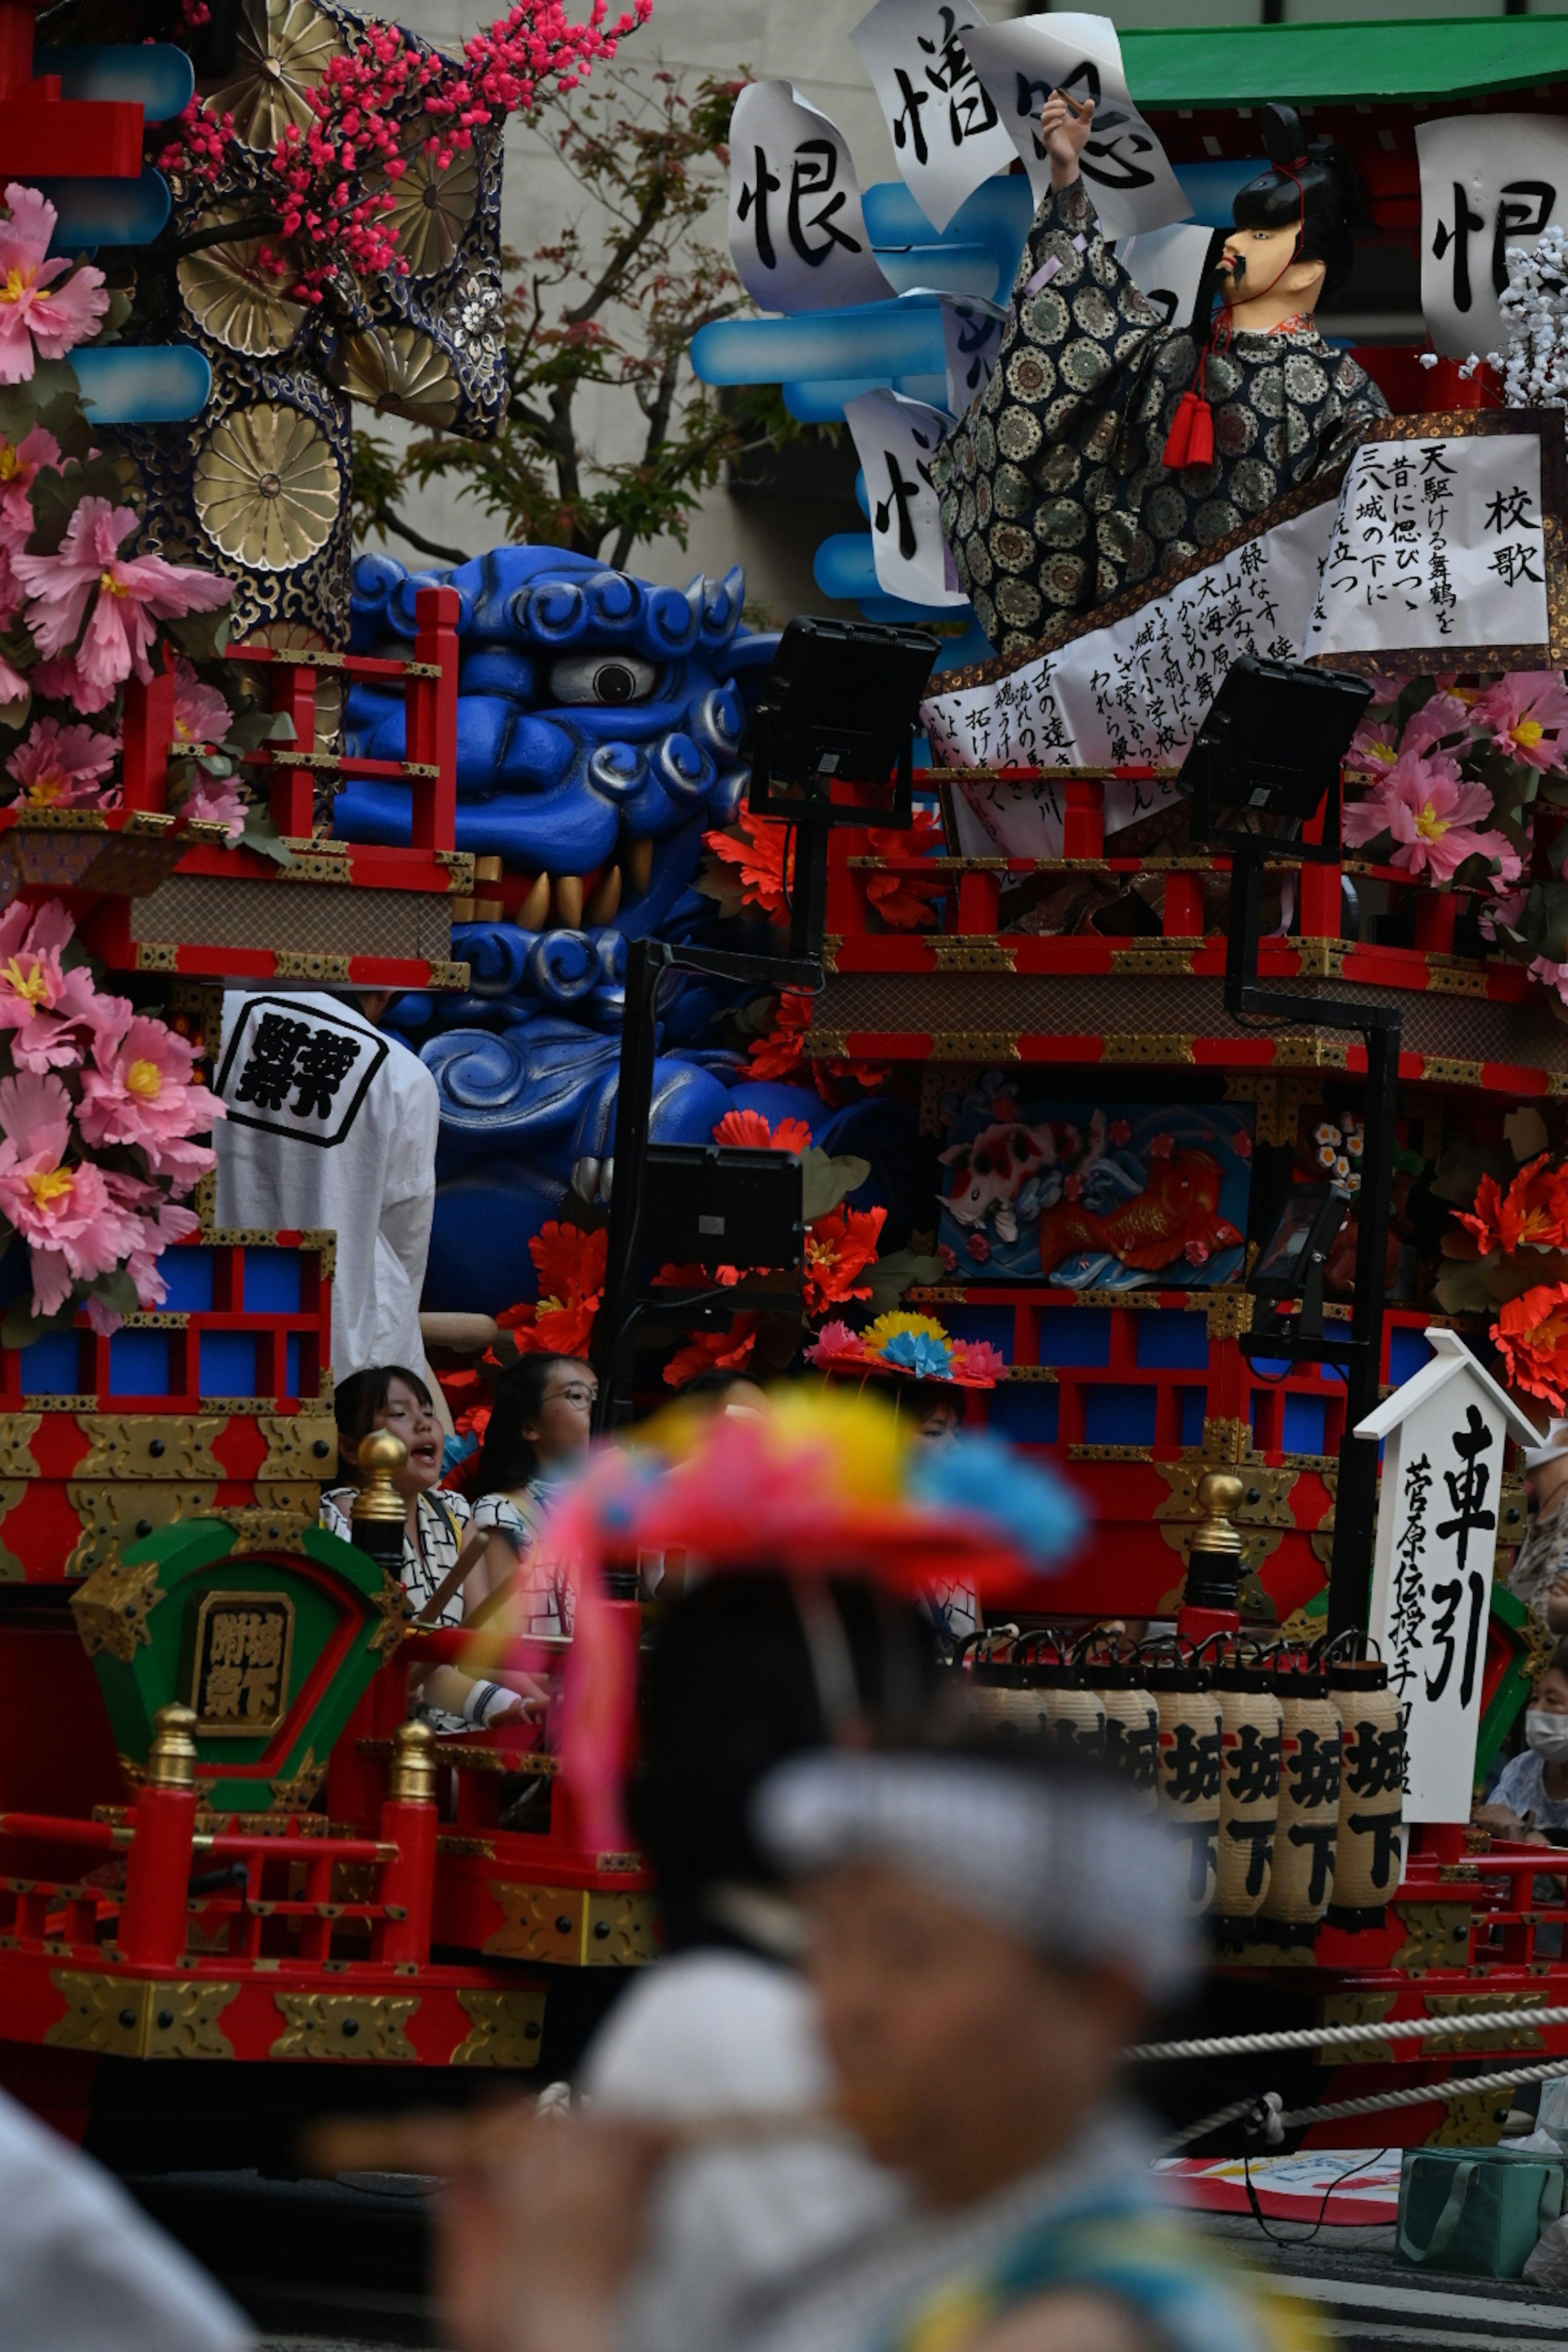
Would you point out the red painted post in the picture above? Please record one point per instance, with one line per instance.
(1436, 912)
(16, 47)
(152, 1924)
(1183, 917)
(1083, 818)
(432, 726)
(147, 731)
(408, 1823)
(291, 791)
(979, 902)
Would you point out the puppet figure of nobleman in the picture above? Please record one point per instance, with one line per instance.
(1107, 447)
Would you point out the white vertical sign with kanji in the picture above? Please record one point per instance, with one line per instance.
(1125, 170)
(798, 235)
(947, 135)
(1438, 539)
(895, 440)
(1443, 1435)
(1487, 182)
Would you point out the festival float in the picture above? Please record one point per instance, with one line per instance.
(1202, 1154)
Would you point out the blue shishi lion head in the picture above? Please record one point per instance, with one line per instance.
(599, 723)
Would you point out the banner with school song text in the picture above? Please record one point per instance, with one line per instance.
(1439, 545)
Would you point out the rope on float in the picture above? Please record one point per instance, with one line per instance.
(1345, 2037)
(1274, 2124)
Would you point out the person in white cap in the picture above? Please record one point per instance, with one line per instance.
(985, 1936)
(1539, 1576)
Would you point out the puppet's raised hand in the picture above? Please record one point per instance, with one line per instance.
(1065, 126)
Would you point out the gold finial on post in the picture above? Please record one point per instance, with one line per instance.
(381, 1457)
(412, 1777)
(1219, 1492)
(1214, 1555)
(172, 1760)
(380, 1514)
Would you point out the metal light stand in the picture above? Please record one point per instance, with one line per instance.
(1361, 1355)
(809, 807)
(647, 961)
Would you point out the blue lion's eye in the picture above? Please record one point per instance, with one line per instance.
(602, 678)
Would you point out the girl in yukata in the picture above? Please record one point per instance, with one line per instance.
(390, 1397)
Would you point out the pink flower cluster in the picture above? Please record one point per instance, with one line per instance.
(328, 177)
(43, 312)
(90, 1075)
(1417, 790)
(92, 610)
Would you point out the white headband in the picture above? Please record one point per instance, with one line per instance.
(1070, 1865)
(1550, 1447)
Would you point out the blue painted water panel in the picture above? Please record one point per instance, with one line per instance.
(228, 1364)
(993, 1324)
(52, 1366)
(1407, 1351)
(1119, 1413)
(138, 1363)
(188, 1273)
(272, 1281)
(1303, 1423)
(1171, 1338)
(1075, 1335)
(1193, 1404)
(291, 1365)
(1025, 1411)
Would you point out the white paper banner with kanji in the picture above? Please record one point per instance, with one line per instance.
(798, 235)
(947, 136)
(894, 439)
(1133, 692)
(1487, 182)
(1437, 541)
(1443, 1437)
(1124, 167)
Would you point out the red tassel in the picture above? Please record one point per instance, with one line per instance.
(1190, 441)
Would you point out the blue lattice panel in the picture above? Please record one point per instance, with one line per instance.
(219, 1401)
(1124, 1391)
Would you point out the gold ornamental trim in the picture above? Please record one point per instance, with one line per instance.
(295, 1795)
(448, 975)
(1314, 1053)
(974, 1045)
(1439, 1070)
(1474, 2118)
(1167, 959)
(157, 955)
(354, 2025)
(150, 1445)
(1045, 1374)
(261, 1527)
(113, 1607)
(825, 1044)
(1457, 2043)
(972, 955)
(396, 1610)
(1110, 1453)
(1438, 1938)
(572, 1925)
(508, 2029)
(1451, 979)
(1227, 1313)
(17, 1431)
(299, 1445)
(126, 2018)
(1356, 2009)
(293, 964)
(1148, 1045)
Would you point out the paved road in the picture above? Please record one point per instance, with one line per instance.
(340, 2266)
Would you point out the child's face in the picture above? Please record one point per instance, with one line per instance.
(1551, 1695)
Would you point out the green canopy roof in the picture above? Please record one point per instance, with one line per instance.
(1440, 58)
